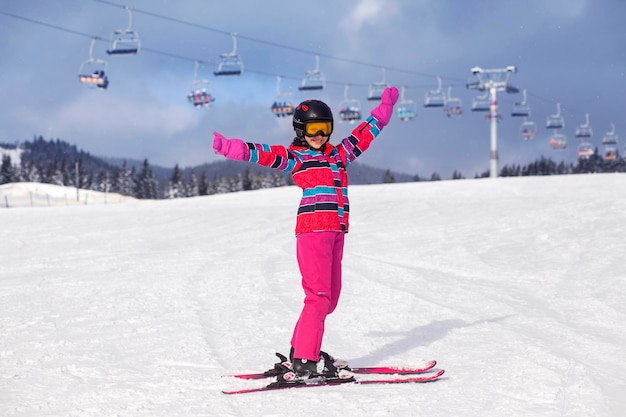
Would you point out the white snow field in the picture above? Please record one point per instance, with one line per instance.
(517, 286)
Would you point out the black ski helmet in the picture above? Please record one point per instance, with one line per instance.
(311, 111)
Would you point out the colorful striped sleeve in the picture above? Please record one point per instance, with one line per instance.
(360, 139)
(272, 156)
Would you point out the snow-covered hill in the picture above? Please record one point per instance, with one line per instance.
(35, 194)
(516, 286)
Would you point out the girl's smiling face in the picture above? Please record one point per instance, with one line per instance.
(317, 141)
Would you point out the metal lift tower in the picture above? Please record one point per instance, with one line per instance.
(493, 80)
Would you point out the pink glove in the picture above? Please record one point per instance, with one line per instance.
(384, 110)
(231, 148)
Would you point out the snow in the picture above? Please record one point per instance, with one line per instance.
(31, 194)
(515, 285)
(14, 154)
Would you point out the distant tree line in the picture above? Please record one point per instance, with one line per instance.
(57, 162)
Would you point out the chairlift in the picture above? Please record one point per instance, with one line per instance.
(558, 141)
(405, 109)
(482, 103)
(585, 150)
(435, 98)
(125, 41)
(198, 95)
(453, 106)
(610, 138)
(511, 89)
(521, 109)
(313, 79)
(92, 72)
(375, 89)
(610, 145)
(610, 154)
(555, 121)
(350, 108)
(281, 108)
(528, 129)
(230, 63)
(584, 130)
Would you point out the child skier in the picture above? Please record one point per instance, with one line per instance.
(319, 168)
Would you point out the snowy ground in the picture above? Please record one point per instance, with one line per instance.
(33, 194)
(516, 286)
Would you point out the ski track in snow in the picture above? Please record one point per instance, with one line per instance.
(516, 286)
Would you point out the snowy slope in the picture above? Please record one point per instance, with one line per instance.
(516, 286)
(35, 194)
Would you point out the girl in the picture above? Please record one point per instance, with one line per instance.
(319, 168)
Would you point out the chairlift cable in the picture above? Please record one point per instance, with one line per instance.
(257, 40)
(270, 43)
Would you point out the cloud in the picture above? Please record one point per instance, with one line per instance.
(110, 116)
(368, 13)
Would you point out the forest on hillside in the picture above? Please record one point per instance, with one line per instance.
(60, 163)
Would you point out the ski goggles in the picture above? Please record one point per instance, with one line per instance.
(318, 128)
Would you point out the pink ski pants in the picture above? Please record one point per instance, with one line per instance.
(319, 258)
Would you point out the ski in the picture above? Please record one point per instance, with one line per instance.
(426, 377)
(368, 370)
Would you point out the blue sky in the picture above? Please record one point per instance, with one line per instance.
(567, 51)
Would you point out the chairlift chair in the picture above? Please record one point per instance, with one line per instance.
(281, 107)
(610, 154)
(125, 41)
(511, 89)
(610, 145)
(610, 138)
(375, 89)
(435, 98)
(521, 109)
(481, 103)
(453, 106)
(230, 63)
(198, 95)
(558, 141)
(350, 108)
(528, 129)
(313, 79)
(585, 150)
(92, 72)
(584, 130)
(555, 121)
(405, 109)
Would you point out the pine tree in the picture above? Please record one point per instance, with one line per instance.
(388, 177)
(7, 172)
(29, 172)
(146, 185)
(192, 188)
(203, 187)
(220, 185)
(176, 185)
(247, 180)
(124, 182)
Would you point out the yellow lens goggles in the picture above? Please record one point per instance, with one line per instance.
(318, 128)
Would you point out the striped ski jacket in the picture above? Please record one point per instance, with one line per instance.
(321, 174)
